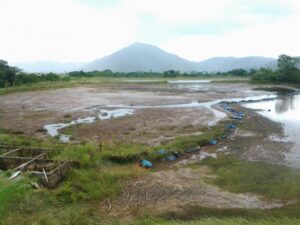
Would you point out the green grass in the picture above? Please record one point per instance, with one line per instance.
(10, 193)
(102, 171)
(95, 81)
(269, 180)
(89, 184)
(125, 153)
(181, 143)
(218, 221)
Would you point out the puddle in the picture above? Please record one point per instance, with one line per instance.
(219, 115)
(109, 114)
(113, 111)
(53, 129)
(188, 81)
(285, 110)
(143, 81)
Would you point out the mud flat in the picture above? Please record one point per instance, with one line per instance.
(159, 113)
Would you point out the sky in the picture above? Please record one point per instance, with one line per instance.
(85, 30)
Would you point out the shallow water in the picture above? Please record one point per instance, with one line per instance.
(53, 129)
(112, 111)
(143, 81)
(191, 82)
(284, 110)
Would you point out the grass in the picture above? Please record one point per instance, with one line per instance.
(125, 153)
(181, 143)
(269, 180)
(106, 80)
(89, 184)
(218, 221)
(102, 171)
(10, 194)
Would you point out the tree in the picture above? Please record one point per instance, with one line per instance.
(287, 66)
(2, 81)
(171, 73)
(8, 74)
(238, 72)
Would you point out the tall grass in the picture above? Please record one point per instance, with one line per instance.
(10, 193)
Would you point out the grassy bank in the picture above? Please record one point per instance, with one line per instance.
(102, 172)
(81, 81)
(269, 180)
(218, 221)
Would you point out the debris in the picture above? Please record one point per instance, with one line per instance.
(108, 203)
(170, 158)
(204, 155)
(35, 185)
(231, 126)
(176, 154)
(104, 114)
(45, 175)
(16, 174)
(145, 163)
(34, 160)
(193, 149)
(236, 117)
(161, 152)
(213, 142)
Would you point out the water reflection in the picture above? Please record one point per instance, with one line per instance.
(287, 104)
(285, 110)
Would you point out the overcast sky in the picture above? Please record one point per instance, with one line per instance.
(84, 30)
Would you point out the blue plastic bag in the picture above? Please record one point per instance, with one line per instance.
(145, 163)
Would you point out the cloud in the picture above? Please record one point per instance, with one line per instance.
(83, 30)
(62, 30)
(260, 39)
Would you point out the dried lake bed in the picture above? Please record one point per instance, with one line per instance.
(151, 113)
(154, 113)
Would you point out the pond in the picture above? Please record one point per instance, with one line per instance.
(284, 110)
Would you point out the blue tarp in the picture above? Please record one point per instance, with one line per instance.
(231, 126)
(161, 151)
(213, 142)
(237, 117)
(145, 163)
(171, 158)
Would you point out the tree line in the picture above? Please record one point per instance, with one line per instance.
(287, 71)
(166, 74)
(11, 76)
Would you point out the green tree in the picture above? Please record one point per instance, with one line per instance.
(171, 73)
(8, 74)
(287, 67)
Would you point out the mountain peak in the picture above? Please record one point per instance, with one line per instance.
(141, 44)
(146, 57)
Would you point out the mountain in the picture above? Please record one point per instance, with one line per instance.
(144, 57)
(222, 64)
(48, 66)
(141, 57)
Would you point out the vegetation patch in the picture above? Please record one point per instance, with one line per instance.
(269, 180)
(11, 192)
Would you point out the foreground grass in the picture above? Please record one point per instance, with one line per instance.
(218, 221)
(102, 171)
(10, 194)
(269, 180)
